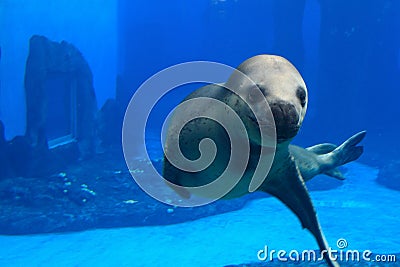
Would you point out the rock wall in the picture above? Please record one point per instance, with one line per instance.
(48, 58)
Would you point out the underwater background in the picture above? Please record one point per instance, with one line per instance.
(68, 70)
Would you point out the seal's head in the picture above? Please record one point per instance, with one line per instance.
(276, 80)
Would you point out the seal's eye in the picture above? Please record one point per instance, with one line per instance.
(301, 94)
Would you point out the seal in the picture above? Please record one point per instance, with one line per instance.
(283, 88)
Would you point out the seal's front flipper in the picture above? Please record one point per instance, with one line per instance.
(171, 174)
(289, 187)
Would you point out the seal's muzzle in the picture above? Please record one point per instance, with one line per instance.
(286, 120)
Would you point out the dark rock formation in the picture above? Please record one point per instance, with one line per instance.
(61, 109)
(19, 155)
(63, 67)
(5, 170)
(18, 158)
(15, 155)
(109, 124)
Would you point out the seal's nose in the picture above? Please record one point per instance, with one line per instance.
(286, 120)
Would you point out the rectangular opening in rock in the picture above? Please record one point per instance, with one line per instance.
(60, 91)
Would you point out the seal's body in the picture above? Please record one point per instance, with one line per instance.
(283, 88)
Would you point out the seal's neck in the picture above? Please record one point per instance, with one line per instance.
(282, 150)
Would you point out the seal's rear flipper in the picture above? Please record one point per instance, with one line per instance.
(335, 173)
(321, 149)
(348, 151)
(291, 190)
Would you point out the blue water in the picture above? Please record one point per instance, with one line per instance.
(348, 53)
